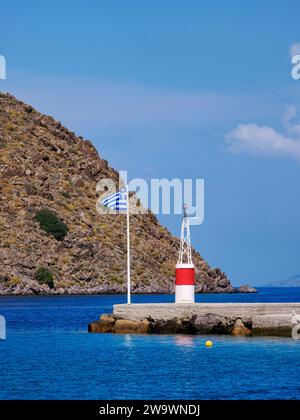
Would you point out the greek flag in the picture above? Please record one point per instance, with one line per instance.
(117, 201)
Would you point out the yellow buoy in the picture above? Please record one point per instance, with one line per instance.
(208, 343)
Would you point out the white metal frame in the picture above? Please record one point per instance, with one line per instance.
(185, 252)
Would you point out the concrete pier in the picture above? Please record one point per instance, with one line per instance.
(166, 311)
(265, 318)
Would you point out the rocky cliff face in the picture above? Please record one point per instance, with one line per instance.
(45, 166)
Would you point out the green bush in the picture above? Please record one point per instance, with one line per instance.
(52, 224)
(44, 276)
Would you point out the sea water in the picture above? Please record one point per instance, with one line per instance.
(48, 354)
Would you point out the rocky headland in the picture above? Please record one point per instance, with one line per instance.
(52, 239)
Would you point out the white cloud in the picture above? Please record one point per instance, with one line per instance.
(261, 140)
(290, 113)
(295, 49)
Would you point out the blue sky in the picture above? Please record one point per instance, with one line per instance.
(183, 89)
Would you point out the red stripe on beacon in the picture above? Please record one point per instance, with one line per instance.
(185, 269)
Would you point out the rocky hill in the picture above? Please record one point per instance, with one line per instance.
(52, 238)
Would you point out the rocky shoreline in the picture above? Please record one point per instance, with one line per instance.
(33, 288)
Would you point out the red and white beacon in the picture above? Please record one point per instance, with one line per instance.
(185, 269)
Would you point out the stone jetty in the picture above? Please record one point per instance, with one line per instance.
(269, 319)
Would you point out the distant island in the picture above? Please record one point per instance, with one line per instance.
(293, 281)
(53, 241)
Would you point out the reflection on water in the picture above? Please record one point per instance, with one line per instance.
(184, 340)
(128, 340)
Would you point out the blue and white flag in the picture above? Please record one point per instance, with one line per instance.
(117, 201)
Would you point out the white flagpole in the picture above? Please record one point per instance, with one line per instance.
(128, 251)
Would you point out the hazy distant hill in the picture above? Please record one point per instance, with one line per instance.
(44, 166)
(293, 281)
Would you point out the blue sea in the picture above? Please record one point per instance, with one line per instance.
(48, 354)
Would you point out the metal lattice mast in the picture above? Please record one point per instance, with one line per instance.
(185, 252)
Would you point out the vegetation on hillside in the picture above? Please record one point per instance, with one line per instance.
(51, 224)
(44, 276)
